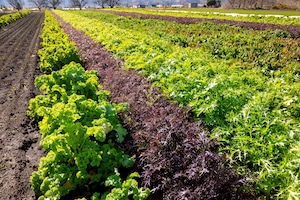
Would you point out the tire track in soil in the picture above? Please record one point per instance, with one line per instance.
(7, 31)
(19, 65)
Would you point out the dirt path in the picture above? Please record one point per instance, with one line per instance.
(19, 149)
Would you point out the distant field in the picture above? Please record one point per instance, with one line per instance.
(261, 16)
(242, 11)
(3, 13)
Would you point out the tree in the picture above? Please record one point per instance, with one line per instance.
(211, 3)
(112, 3)
(252, 3)
(99, 3)
(79, 3)
(39, 3)
(232, 3)
(54, 3)
(16, 4)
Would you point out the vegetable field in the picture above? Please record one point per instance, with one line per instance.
(243, 84)
(262, 16)
(8, 18)
(141, 104)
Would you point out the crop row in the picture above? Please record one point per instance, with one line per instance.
(80, 130)
(174, 154)
(268, 19)
(294, 30)
(253, 112)
(269, 50)
(9, 18)
(55, 52)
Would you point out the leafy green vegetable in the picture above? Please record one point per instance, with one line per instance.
(57, 49)
(243, 83)
(9, 18)
(80, 130)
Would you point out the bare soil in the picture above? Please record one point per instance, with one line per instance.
(19, 137)
(5, 13)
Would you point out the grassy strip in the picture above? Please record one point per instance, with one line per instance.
(9, 18)
(254, 116)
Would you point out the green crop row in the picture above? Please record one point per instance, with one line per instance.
(269, 51)
(79, 129)
(9, 18)
(261, 18)
(56, 43)
(253, 112)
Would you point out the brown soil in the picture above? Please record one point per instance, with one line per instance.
(19, 138)
(5, 13)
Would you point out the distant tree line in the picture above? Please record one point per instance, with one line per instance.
(18, 4)
(244, 4)
(213, 3)
(109, 3)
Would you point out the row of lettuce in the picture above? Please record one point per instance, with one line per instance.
(269, 51)
(252, 111)
(9, 18)
(79, 127)
(260, 18)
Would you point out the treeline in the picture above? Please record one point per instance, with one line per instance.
(53, 4)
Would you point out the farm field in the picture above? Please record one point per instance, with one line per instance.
(158, 127)
(238, 11)
(5, 13)
(241, 83)
(77, 163)
(268, 17)
(7, 18)
(19, 137)
(199, 110)
(294, 30)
